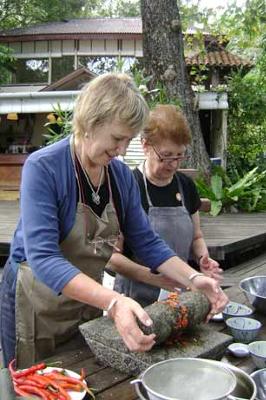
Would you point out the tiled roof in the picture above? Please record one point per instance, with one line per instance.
(81, 26)
(219, 58)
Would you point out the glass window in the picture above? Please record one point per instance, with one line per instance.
(99, 64)
(61, 67)
(31, 71)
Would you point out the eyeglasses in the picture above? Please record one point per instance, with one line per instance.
(169, 159)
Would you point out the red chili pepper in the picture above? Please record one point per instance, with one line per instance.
(82, 374)
(34, 390)
(29, 371)
(63, 378)
(20, 392)
(11, 367)
(30, 381)
(50, 382)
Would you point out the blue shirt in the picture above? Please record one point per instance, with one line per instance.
(48, 204)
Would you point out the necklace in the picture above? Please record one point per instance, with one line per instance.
(95, 193)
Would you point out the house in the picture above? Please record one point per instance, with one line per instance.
(55, 59)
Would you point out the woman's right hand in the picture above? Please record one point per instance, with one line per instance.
(124, 314)
(210, 287)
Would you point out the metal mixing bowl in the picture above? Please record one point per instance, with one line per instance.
(255, 291)
(259, 378)
(245, 385)
(181, 378)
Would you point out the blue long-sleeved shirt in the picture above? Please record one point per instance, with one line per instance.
(48, 209)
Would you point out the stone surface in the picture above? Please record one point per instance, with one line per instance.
(198, 340)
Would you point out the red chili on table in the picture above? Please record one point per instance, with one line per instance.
(24, 372)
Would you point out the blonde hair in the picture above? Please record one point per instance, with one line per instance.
(108, 97)
(167, 122)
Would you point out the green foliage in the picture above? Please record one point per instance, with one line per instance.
(106, 8)
(20, 13)
(60, 127)
(246, 193)
(6, 64)
(244, 27)
(158, 95)
(247, 119)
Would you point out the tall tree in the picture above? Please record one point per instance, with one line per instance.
(163, 51)
(20, 13)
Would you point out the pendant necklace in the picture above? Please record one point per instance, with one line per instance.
(95, 193)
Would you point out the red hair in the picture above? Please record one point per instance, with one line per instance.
(167, 122)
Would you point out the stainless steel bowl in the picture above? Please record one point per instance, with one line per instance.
(181, 378)
(245, 385)
(255, 291)
(260, 380)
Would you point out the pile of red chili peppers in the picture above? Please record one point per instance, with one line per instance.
(52, 385)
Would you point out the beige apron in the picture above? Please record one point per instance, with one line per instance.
(45, 320)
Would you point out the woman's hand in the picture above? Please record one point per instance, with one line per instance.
(210, 268)
(124, 314)
(210, 287)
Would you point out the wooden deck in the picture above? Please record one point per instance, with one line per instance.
(110, 384)
(230, 233)
(224, 234)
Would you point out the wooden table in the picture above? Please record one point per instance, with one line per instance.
(110, 384)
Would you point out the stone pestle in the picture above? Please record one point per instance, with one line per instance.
(170, 317)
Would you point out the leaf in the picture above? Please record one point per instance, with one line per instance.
(216, 207)
(217, 186)
(204, 189)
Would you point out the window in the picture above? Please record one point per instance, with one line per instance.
(61, 67)
(99, 64)
(31, 71)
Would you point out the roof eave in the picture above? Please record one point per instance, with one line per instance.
(69, 36)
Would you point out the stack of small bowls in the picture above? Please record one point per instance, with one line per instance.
(242, 328)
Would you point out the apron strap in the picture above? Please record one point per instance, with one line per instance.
(141, 167)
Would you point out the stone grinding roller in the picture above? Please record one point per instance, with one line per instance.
(170, 317)
(176, 314)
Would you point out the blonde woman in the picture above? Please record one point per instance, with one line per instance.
(77, 200)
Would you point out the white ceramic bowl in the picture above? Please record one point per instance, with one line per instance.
(234, 309)
(244, 330)
(258, 353)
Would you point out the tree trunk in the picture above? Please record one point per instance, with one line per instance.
(164, 60)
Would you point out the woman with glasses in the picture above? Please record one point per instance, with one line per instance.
(171, 201)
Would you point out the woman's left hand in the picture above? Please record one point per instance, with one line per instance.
(210, 287)
(211, 268)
